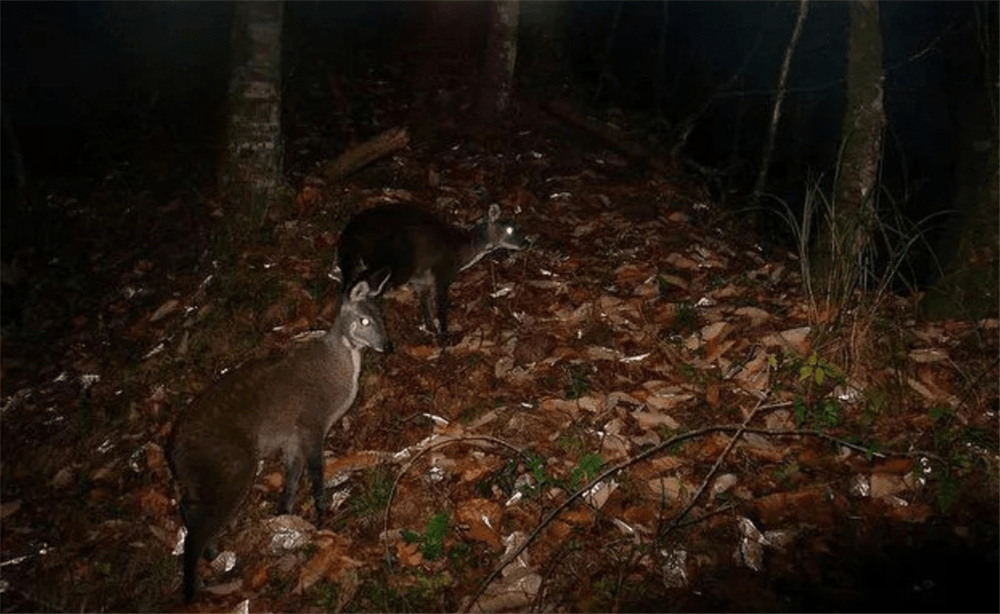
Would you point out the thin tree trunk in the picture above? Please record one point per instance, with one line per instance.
(501, 55)
(779, 99)
(251, 169)
(607, 74)
(842, 254)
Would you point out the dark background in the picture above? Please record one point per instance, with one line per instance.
(91, 88)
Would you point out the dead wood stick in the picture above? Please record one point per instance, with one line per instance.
(715, 467)
(633, 151)
(364, 154)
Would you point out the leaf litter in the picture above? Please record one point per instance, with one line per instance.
(633, 414)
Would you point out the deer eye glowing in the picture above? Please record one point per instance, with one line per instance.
(509, 230)
(365, 322)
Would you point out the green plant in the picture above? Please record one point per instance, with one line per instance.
(578, 383)
(374, 496)
(458, 555)
(827, 413)
(503, 479)
(434, 536)
(689, 373)
(326, 594)
(535, 464)
(432, 540)
(947, 491)
(587, 468)
(819, 370)
(786, 473)
(846, 279)
(428, 593)
(686, 318)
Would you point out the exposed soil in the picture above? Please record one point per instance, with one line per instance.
(644, 344)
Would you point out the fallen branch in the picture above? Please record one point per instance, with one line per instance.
(576, 495)
(636, 152)
(366, 153)
(715, 467)
(737, 429)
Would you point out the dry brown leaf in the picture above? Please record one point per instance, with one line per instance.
(651, 420)
(895, 465)
(422, 352)
(354, 462)
(155, 459)
(726, 292)
(152, 502)
(756, 315)
(670, 489)
(329, 561)
(614, 448)
(756, 375)
(714, 350)
(715, 331)
(794, 340)
(481, 516)
(409, 554)
(675, 280)
(582, 516)
(164, 310)
(885, 485)
(712, 394)
(258, 577)
(681, 262)
(630, 275)
(808, 504)
(914, 512)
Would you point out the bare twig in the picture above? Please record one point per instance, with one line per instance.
(737, 429)
(576, 495)
(708, 478)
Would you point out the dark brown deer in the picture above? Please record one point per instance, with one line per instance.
(421, 250)
(285, 404)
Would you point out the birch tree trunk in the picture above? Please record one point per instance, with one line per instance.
(501, 55)
(251, 167)
(843, 253)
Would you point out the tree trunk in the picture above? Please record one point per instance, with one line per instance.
(970, 250)
(843, 252)
(251, 169)
(501, 54)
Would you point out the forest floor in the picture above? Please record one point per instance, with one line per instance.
(642, 412)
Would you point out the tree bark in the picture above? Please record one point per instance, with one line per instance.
(250, 172)
(843, 253)
(501, 55)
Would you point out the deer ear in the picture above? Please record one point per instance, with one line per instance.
(359, 291)
(494, 213)
(380, 279)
